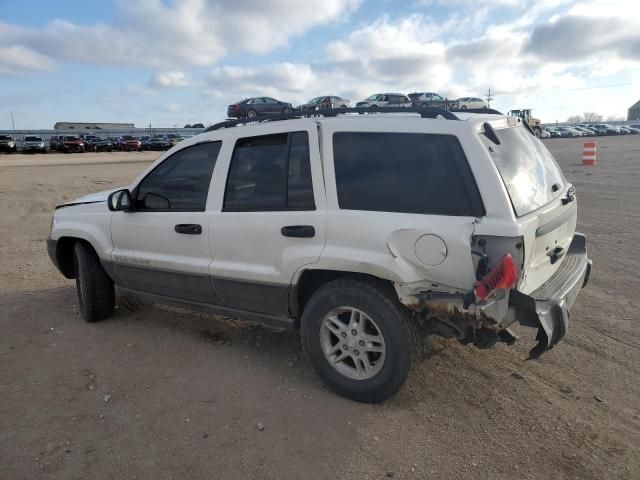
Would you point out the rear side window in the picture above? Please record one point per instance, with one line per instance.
(181, 182)
(270, 172)
(404, 172)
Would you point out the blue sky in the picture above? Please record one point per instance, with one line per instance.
(176, 62)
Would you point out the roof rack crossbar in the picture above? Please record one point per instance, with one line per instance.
(425, 112)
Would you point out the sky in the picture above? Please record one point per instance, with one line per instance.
(169, 63)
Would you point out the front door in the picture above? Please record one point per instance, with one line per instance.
(162, 246)
(272, 220)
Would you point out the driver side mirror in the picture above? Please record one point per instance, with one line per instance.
(119, 200)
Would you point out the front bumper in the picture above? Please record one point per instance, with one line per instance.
(547, 308)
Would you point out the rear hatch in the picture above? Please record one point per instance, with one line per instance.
(542, 200)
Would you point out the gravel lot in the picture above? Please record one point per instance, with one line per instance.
(161, 393)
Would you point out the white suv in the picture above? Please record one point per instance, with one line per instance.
(365, 232)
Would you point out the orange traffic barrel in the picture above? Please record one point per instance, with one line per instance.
(589, 153)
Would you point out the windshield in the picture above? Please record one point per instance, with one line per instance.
(32, 139)
(69, 137)
(373, 97)
(316, 100)
(5, 137)
(529, 171)
(128, 137)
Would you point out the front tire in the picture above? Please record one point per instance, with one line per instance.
(96, 294)
(360, 340)
(252, 113)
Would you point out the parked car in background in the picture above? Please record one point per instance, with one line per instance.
(53, 142)
(385, 100)
(86, 139)
(471, 102)
(624, 130)
(33, 144)
(569, 132)
(97, 144)
(430, 99)
(585, 131)
(545, 134)
(254, 107)
(553, 131)
(327, 101)
(606, 129)
(144, 140)
(71, 143)
(8, 144)
(130, 143)
(173, 138)
(633, 130)
(158, 143)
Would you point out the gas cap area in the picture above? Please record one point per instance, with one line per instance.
(430, 250)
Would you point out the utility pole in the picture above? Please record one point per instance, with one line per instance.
(13, 125)
(489, 98)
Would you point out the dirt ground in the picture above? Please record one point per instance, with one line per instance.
(160, 393)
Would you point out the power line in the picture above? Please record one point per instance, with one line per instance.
(489, 97)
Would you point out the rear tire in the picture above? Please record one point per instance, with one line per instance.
(96, 294)
(252, 113)
(383, 317)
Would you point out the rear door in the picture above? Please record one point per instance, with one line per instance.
(541, 198)
(272, 218)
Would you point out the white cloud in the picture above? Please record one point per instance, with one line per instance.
(18, 59)
(169, 79)
(189, 32)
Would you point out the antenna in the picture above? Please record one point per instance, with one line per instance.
(489, 97)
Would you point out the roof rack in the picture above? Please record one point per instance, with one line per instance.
(490, 111)
(425, 112)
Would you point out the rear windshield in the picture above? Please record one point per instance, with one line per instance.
(529, 171)
(32, 139)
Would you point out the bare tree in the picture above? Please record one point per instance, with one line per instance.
(591, 117)
(586, 117)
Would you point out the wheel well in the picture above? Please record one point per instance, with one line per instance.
(64, 255)
(312, 280)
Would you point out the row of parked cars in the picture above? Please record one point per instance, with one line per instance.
(90, 143)
(256, 106)
(590, 130)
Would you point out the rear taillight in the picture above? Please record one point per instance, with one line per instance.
(503, 275)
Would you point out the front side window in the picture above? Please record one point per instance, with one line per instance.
(404, 172)
(181, 182)
(270, 172)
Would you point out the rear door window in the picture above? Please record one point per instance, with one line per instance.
(529, 171)
(270, 173)
(404, 172)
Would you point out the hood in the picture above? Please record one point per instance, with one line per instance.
(98, 197)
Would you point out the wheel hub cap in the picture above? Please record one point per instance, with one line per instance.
(352, 343)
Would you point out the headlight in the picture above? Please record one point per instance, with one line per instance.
(11, 144)
(41, 145)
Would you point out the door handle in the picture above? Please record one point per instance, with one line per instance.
(298, 231)
(188, 228)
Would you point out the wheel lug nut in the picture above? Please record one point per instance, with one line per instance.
(361, 343)
(345, 347)
(354, 332)
(357, 352)
(344, 334)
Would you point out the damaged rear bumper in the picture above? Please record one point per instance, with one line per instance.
(547, 308)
